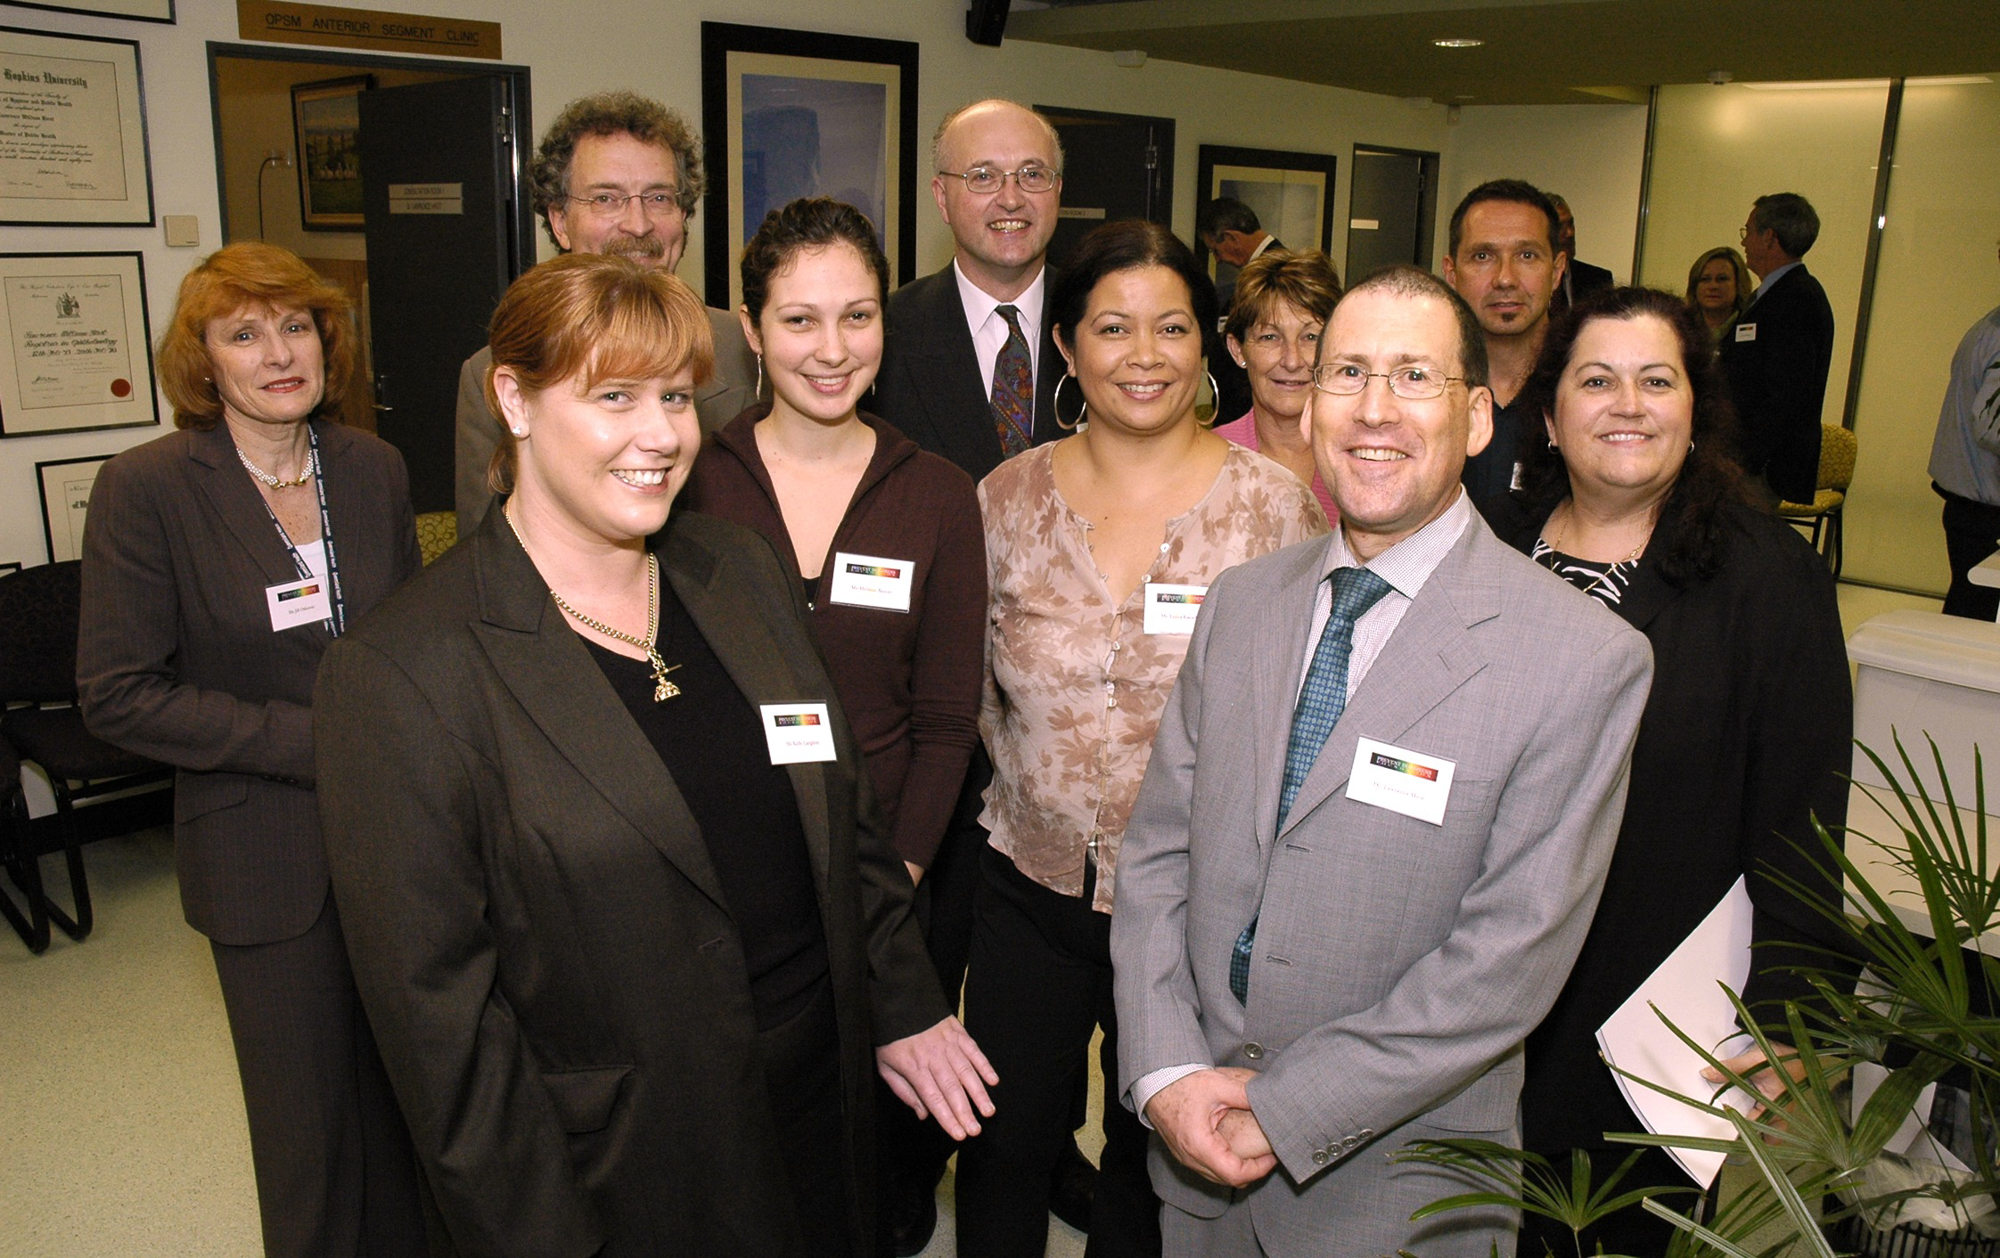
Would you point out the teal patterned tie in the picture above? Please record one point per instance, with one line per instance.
(1321, 701)
(1013, 388)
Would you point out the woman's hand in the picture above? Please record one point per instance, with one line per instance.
(1771, 1083)
(940, 1072)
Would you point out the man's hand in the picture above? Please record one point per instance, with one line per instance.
(939, 1072)
(1206, 1121)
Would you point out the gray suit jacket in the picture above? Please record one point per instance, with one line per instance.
(731, 390)
(1398, 964)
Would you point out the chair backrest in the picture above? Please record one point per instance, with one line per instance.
(437, 532)
(38, 616)
(1837, 450)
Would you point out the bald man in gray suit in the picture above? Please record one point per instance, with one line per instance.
(1329, 944)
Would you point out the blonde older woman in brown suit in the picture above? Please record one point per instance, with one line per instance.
(218, 563)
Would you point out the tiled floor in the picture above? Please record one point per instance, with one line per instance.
(124, 1132)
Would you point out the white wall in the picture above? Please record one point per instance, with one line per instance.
(1593, 155)
(654, 46)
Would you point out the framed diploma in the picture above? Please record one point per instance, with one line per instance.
(137, 10)
(76, 352)
(65, 497)
(72, 132)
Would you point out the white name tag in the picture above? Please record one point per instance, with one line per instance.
(1172, 608)
(1746, 331)
(1407, 782)
(296, 603)
(871, 581)
(798, 733)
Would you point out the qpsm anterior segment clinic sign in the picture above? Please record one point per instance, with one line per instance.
(275, 21)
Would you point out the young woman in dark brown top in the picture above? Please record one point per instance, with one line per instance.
(886, 537)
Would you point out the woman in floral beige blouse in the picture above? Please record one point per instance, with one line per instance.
(1099, 549)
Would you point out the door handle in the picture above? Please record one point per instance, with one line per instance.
(381, 392)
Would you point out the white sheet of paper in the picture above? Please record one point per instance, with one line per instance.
(296, 603)
(797, 733)
(1911, 1139)
(1173, 608)
(1409, 782)
(871, 581)
(1684, 990)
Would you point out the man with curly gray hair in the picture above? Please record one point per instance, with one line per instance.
(615, 173)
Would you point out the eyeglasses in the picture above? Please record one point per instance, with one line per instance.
(984, 180)
(661, 205)
(1412, 384)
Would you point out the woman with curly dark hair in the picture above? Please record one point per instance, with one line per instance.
(1631, 495)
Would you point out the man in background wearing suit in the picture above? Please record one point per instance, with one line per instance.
(1580, 278)
(969, 372)
(1232, 232)
(616, 173)
(1373, 830)
(1777, 356)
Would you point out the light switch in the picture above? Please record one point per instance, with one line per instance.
(183, 230)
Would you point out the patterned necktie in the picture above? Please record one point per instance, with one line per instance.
(1321, 701)
(1013, 388)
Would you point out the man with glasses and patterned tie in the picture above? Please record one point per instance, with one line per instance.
(616, 173)
(1373, 830)
(969, 371)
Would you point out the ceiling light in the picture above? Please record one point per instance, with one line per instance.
(1456, 43)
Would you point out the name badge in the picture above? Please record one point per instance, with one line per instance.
(1746, 331)
(296, 603)
(798, 733)
(871, 581)
(1172, 608)
(1403, 781)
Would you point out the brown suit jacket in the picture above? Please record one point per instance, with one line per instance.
(540, 939)
(176, 658)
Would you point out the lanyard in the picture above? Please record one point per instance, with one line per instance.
(338, 621)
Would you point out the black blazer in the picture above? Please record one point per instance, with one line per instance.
(1778, 381)
(930, 387)
(1580, 280)
(1744, 735)
(176, 658)
(539, 937)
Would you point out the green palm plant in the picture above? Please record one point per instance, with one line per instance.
(1925, 1010)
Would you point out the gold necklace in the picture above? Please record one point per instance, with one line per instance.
(305, 473)
(1555, 545)
(662, 688)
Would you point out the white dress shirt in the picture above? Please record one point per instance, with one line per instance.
(989, 329)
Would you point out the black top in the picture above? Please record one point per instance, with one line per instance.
(713, 745)
(1489, 474)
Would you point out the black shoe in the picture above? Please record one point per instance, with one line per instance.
(1072, 1188)
(909, 1217)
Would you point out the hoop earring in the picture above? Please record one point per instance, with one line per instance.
(758, 392)
(1055, 405)
(1215, 393)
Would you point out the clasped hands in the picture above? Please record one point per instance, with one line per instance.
(1206, 1121)
(941, 1072)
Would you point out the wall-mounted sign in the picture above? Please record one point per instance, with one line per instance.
(283, 22)
(1080, 211)
(426, 198)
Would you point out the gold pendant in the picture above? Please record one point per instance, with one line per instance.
(665, 690)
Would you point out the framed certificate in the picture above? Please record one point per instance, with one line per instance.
(65, 485)
(76, 353)
(137, 10)
(73, 132)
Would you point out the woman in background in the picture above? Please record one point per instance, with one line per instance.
(1098, 549)
(1634, 499)
(219, 563)
(1282, 301)
(1719, 288)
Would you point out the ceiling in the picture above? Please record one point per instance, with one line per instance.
(1535, 51)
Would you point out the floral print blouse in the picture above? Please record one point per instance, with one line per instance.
(1074, 684)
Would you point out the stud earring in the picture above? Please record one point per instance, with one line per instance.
(519, 432)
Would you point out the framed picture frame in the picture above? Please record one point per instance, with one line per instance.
(1291, 194)
(75, 153)
(65, 486)
(799, 113)
(137, 10)
(326, 128)
(76, 344)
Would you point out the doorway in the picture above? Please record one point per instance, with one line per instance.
(1114, 166)
(1392, 210)
(423, 273)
